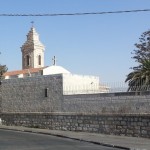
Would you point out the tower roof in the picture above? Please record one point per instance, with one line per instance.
(33, 38)
(32, 34)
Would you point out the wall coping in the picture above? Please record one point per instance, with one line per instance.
(144, 93)
(74, 114)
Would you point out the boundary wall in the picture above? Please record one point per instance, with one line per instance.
(136, 125)
(0, 97)
(45, 94)
(125, 102)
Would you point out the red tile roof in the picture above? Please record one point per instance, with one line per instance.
(24, 71)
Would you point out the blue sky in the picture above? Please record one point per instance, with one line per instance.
(98, 45)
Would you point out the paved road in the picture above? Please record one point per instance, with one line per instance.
(13, 140)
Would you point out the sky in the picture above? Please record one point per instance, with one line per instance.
(98, 45)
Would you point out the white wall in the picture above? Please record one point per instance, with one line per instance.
(55, 70)
(77, 84)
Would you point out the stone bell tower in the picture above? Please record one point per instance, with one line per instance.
(32, 51)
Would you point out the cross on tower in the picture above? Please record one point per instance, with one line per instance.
(54, 60)
(32, 22)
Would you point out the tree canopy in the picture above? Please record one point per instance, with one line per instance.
(139, 78)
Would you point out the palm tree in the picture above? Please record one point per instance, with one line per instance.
(139, 79)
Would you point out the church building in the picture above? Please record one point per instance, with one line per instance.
(32, 57)
(33, 65)
(32, 51)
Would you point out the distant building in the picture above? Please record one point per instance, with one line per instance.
(33, 65)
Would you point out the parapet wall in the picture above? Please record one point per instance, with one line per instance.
(117, 124)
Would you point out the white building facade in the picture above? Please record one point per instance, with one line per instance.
(76, 84)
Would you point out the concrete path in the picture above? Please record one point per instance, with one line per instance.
(129, 143)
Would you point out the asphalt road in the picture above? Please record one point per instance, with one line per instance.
(14, 140)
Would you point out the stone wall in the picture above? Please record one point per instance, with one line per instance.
(33, 94)
(0, 97)
(118, 124)
(28, 95)
(127, 102)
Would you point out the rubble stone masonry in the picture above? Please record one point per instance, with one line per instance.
(137, 125)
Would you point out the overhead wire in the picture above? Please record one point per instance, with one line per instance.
(75, 14)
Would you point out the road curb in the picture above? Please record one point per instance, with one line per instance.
(77, 139)
(64, 136)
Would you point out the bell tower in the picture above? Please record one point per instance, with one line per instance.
(32, 51)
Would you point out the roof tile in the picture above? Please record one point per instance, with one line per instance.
(24, 71)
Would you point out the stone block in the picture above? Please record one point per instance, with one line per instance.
(144, 132)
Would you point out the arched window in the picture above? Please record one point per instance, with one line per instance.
(28, 60)
(39, 59)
